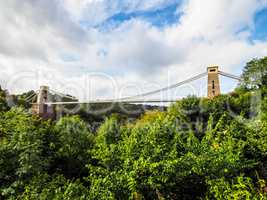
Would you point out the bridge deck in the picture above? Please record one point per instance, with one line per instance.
(111, 101)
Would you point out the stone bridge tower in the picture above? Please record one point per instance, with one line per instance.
(40, 108)
(213, 82)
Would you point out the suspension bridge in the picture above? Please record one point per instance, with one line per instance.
(44, 106)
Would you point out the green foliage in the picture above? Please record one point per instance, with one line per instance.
(158, 159)
(20, 100)
(73, 137)
(23, 147)
(44, 187)
(107, 139)
(238, 188)
(72, 146)
(255, 74)
(199, 149)
(3, 103)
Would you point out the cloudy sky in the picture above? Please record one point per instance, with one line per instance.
(106, 48)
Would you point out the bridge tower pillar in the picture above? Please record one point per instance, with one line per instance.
(213, 82)
(40, 108)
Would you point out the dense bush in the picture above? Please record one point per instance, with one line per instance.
(198, 149)
(3, 102)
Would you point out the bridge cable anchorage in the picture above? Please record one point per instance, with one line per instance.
(167, 88)
(30, 98)
(230, 76)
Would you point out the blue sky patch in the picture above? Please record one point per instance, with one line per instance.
(159, 18)
(260, 31)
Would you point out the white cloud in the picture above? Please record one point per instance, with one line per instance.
(94, 12)
(35, 35)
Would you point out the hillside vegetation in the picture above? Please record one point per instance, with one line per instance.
(197, 149)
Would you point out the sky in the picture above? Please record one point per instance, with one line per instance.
(114, 48)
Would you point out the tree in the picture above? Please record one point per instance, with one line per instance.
(255, 74)
(3, 103)
(73, 144)
(24, 148)
(199, 149)
(57, 187)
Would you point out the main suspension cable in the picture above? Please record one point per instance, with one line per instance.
(230, 76)
(63, 95)
(166, 88)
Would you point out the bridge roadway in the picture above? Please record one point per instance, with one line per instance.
(134, 99)
(112, 101)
